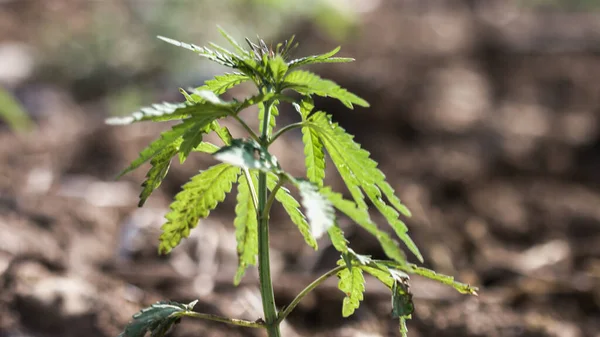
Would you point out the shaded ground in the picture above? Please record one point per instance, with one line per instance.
(489, 131)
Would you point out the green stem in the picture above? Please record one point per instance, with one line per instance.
(251, 132)
(251, 187)
(233, 321)
(273, 194)
(285, 312)
(264, 268)
(284, 130)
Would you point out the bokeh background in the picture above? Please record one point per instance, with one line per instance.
(485, 117)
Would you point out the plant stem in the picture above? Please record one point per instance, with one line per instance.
(287, 310)
(251, 132)
(264, 267)
(284, 130)
(273, 195)
(251, 188)
(233, 321)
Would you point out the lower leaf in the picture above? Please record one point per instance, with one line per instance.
(156, 319)
(198, 197)
(246, 228)
(352, 283)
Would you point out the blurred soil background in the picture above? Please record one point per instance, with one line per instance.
(485, 117)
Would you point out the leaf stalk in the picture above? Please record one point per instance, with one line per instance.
(232, 321)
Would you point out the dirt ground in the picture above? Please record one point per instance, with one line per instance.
(488, 126)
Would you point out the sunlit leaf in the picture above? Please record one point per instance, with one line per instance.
(352, 283)
(198, 197)
(307, 83)
(246, 227)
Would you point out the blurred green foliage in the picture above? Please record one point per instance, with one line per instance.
(12, 112)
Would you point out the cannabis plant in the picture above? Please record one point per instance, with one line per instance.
(261, 178)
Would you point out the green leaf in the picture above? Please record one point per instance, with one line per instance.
(352, 283)
(193, 137)
(402, 304)
(157, 112)
(156, 319)
(411, 268)
(247, 154)
(362, 218)
(198, 197)
(246, 227)
(277, 68)
(314, 156)
(222, 132)
(319, 210)
(241, 51)
(226, 59)
(292, 208)
(307, 83)
(160, 166)
(173, 111)
(206, 147)
(166, 139)
(382, 274)
(336, 235)
(361, 259)
(305, 106)
(359, 171)
(222, 83)
(323, 58)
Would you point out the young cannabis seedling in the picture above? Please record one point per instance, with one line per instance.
(260, 182)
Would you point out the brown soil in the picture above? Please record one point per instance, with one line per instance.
(488, 130)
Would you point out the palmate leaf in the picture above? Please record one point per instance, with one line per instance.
(292, 208)
(308, 83)
(362, 218)
(323, 58)
(193, 136)
(352, 283)
(156, 319)
(198, 197)
(165, 140)
(319, 210)
(160, 166)
(359, 171)
(187, 134)
(246, 227)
